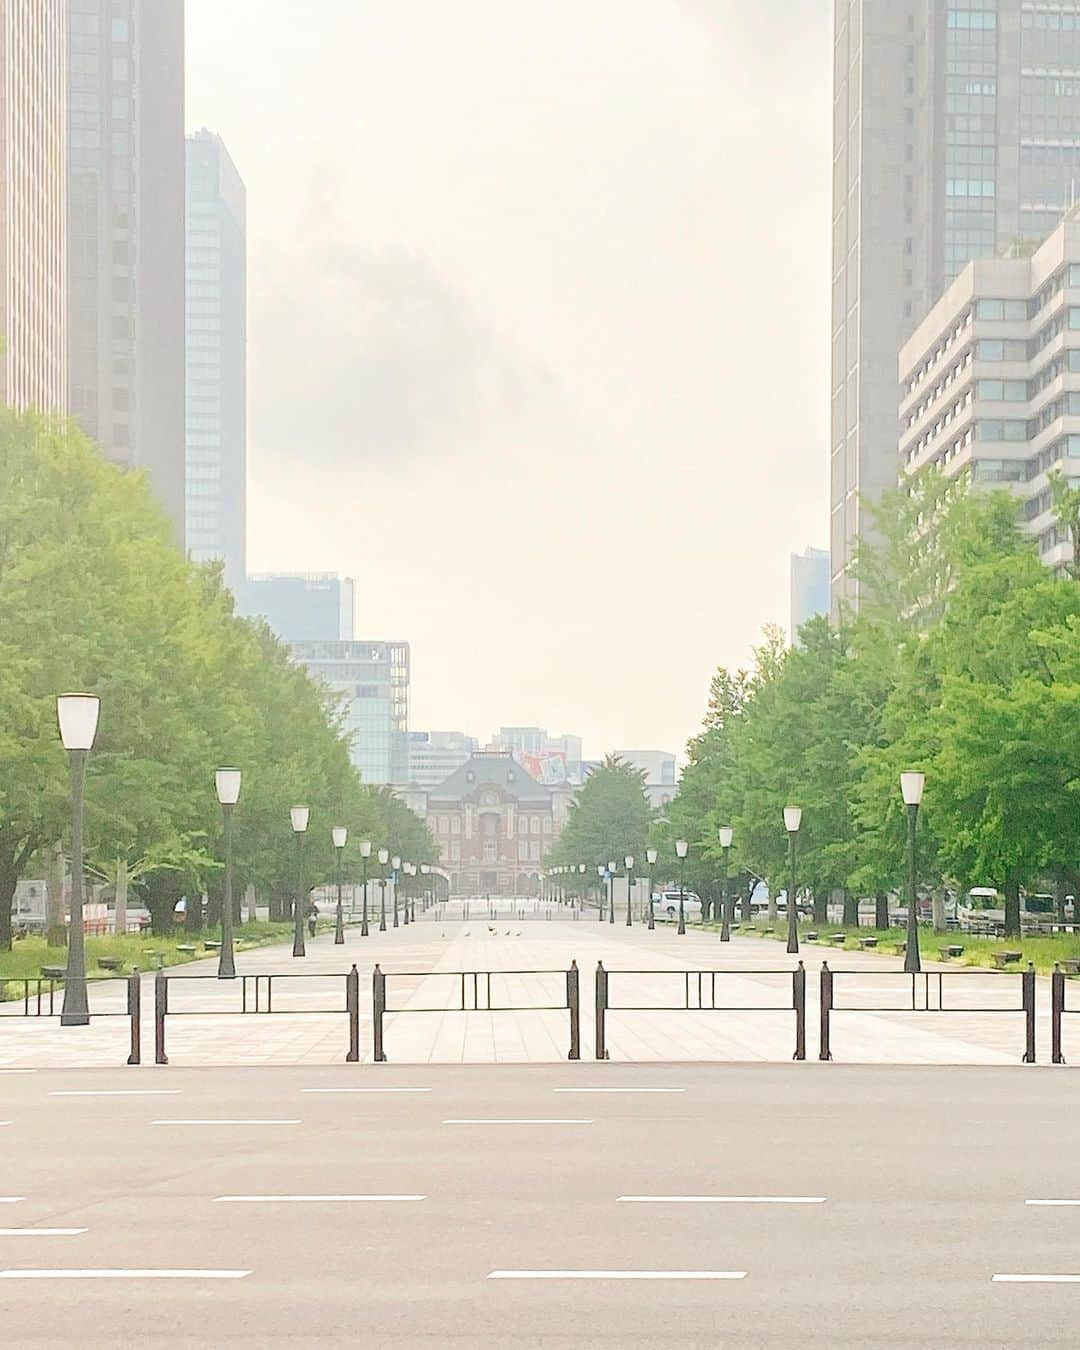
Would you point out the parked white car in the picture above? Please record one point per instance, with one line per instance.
(666, 905)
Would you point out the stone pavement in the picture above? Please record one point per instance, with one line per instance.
(435, 945)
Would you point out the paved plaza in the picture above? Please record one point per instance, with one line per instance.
(540, 1206)
(417, 959)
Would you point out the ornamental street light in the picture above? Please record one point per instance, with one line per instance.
(227, 783)
(681, 847)
(611, 868)
(629, 861)
(384, 858)
(650, 857)
(425, 870)
(340, 836)
(725, 834)
(299, 816)
(395, 867)
(78, 718)
(792, 821)
(603, 889)
(911, 787)
(365, 854)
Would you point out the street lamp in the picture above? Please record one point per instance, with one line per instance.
(650, 857)
(384, 858)
(395, 867)
(78, 717)
(792, 821)
(365, 854)
(629, 860)
(603, 889)
(725, 834)
(911, 786)
(611, 867)
(425, 870)
(681, 847)
(299, 816)
(227, 782)
(340, 836)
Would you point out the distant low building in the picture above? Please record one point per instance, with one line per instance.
(661, 774)
(809, 587)
(434, 755)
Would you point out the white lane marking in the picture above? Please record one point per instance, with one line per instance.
(305, 1199)
(41, 1232)
(5, 1122)
(120, 1092)
(11, 1199)
(617, 1275)
(722, 1199)
(1052, 1202)
(618, 1089)
(131, 1274)
(367, 1089)
(225, 1122)
(1036, 1279)
(18, 1070)
(489, 1121)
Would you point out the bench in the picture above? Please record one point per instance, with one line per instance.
(1003, 959)
(189, 949)
(113, 963)
(867, 942)
(53, 972)
(954, 950)
(811, 937)
(838, 939)
(212, 945)
(1070, 966)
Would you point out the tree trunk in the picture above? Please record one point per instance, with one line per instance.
(772, 913)
(195, 919)
(250, 902)
(821, 907)
(8, 881)
(1012, 908)
(122, 878)
(851, 909)
(747, 913)
(55, 927)
(881, 909)
(160, 898)
(937, 907)
(1060, 892)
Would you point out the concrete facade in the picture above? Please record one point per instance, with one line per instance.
(956, 132)
(33, 211)
(809, 587)
(990, 380)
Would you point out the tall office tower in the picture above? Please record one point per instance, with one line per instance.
(126, 234)
(216, 356)
(956, 134)
(809, 588)
(301, 606)
(33, 103)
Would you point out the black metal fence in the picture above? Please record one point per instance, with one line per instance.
(43, 996)
(928, 995)
(473, 994)
(699, 995)
(1058, 1010)
(257, 997)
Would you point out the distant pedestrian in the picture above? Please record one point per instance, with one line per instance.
(312, 917)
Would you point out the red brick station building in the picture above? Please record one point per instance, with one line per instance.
(494, 824)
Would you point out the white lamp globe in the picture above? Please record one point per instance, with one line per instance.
(384, 856)
(651, 856)
(227, 783)
(792, 818)
(365, 848)
(725, 834)
(681, 847)
(629, 860)
(911, 785)
(78, 718)
(339, 834)
(299, 816)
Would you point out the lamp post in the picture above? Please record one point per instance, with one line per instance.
(650, 857)
(299, 816)
(725, 834)
(792, 821)
(611, 869)
(629, 861)
(340, 836)
(78, 717)
(603, 889)
(425, 870)
(365, 854)
(582, 869)
(384, 858)
(911, 786)
(395, 867)
(681, 847)
(227, 782)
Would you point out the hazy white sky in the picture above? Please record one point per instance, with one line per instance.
(537, 332)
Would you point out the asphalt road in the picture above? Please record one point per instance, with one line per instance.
(867, 1206)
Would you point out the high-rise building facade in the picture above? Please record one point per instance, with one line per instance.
(216, 356)
(990, 381)
(33, 192)
(126, 235)
(301, 606)
(809, 587)
(956, 133)
(371, 679)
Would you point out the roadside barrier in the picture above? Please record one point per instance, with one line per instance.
(699, 995)
(928, 989)
(1058, 1010)
(43, 996)
(256, 999)
(473, 988)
